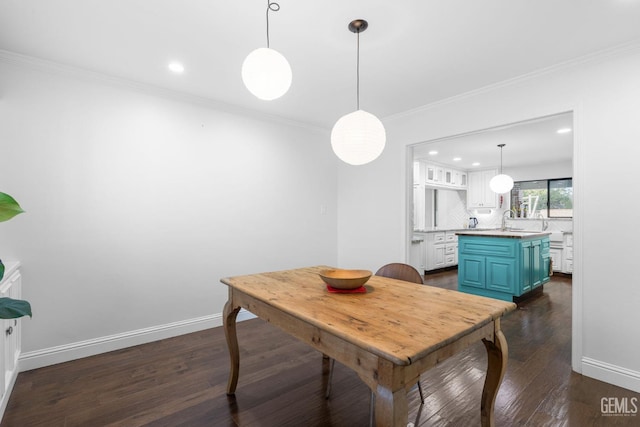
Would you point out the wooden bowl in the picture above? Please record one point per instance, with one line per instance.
(345, 279)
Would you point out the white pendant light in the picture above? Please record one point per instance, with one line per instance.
(265, 71)
(358, 137)
(501, 183)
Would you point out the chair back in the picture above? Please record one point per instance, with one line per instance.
(399, 271)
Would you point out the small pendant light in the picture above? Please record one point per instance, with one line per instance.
(501, 183)
(265, 71)
(359, 137)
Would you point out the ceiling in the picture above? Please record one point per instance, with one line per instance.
(415, 52)
(533, 142)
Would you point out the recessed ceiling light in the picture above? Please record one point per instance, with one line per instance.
(564, 130)
(433, 152)
(475, 164)
(457, 159)
(176, 67)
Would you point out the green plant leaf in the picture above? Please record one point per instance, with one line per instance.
(13, 308)
(8, 207)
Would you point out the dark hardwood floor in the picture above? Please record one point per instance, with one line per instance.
(181, 381)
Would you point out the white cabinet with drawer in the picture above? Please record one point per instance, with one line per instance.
(567, 253)
(556, 258)
(441, 250)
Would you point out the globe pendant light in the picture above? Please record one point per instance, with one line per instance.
(359, 137)
(501, 183)
(265, 71)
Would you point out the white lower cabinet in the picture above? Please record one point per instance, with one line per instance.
(10, 342)
(568, 260)
(562, 254)
(556, 258)
(441, 250)
(567, 256)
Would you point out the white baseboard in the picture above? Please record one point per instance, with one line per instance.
(65, 353)
(612, 374)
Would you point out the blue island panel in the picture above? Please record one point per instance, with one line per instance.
(500, 267)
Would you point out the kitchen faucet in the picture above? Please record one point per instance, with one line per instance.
(545, 222)
(504, 218)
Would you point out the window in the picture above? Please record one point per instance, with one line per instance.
(549, 198)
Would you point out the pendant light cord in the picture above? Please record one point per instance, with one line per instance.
(271, 6)
(358, 72)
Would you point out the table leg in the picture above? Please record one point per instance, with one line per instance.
(391, 407)
(497, 355)
(229, 317)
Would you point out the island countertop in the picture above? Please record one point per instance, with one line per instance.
(509, 234)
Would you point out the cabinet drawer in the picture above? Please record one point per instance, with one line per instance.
(544, 246)
(568, 265)
(450, 259)
(568, 239)
(497, 247)
(568, 253)
(439, 237)
(450, 236)
(450, 249)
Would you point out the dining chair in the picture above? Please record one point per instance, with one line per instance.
(399, 271)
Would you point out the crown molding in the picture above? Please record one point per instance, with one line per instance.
(594, 57)
(52, 67)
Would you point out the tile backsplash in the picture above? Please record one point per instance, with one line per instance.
(453, 215)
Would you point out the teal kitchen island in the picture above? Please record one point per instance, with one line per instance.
(502, 264)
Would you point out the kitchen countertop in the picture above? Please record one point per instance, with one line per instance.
(509, 234)
(444, 230)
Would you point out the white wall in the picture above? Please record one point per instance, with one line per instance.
(137, 204)
(604, 93)
(543, 171)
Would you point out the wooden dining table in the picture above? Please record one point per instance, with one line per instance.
(388, 335)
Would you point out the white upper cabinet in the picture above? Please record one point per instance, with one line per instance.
(479, 194)
(437, 175)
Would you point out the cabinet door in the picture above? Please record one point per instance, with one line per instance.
(489, 198)
(472, 271)
(463, 179)
(435, 250)
(439, 256)
(526, 268)
(474, 195)
(501, 274)
(556, 258)
(537, 272)
(430, 174)
(439, 174)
